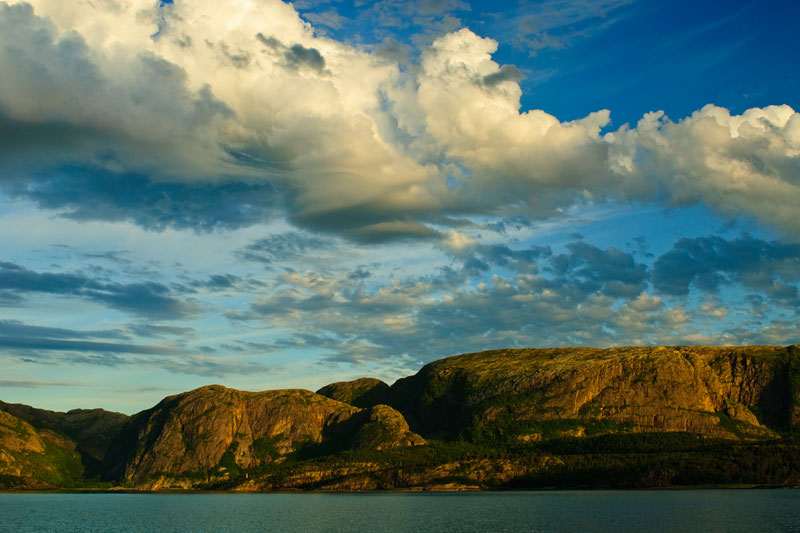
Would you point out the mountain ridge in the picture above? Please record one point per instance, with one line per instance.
(506, 418)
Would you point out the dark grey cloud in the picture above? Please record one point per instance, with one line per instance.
(708, 263)
(92, 193)
(15, 328)
(270, 41)
(517, 260)
(48, 346)
(295, 55)
(150, 299)
(66, 345)
(329, 18)
(610, 271)
(10, 299)
(393, 50)
(119, 257)
(438, 7)
(218, 282)
(506, 73)
(223, 283)
(157, 330)
(281, 248)
(238, 58)
(419, 21)
(298, 55)
(35, 384)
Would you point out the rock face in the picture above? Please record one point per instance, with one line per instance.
(534, 394)
(215, 433)
(363, 392)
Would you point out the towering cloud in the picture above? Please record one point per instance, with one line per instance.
(212, 114)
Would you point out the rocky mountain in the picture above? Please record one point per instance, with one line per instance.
(534, 394)
(214, 433)
(563, 417)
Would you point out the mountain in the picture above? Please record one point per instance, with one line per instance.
(532, 394)
(521, 418)
(46, 449)
(212, 434)
(90, 429)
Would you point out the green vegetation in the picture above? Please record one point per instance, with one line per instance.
(227, 463)
(266, 448)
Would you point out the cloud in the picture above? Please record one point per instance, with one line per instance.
(735, 164)
(610, 271)
(149, 299)
(487, 295)
(46, 345)
(298, 55)
(15, 328)
(155, 330)
(527, 159)
(92, 193)
(490, 295)
(283, 248)
(708, 263)
(36, 384)
(329, 18)
(295, 55)
(194, 115)
(64, 345)
(506, 73)
(556, 24)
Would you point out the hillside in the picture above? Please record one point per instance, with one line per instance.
(531, 394)
(49, 449)
(561, 417)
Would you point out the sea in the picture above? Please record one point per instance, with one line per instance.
(663, 510)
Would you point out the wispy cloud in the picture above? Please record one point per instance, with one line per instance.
(149, 299)
(37, 384)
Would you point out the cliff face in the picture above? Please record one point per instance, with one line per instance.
(533, 394)
(214, 433)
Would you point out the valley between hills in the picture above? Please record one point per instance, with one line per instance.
(633, 417)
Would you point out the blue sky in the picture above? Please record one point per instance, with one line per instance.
(270, 195)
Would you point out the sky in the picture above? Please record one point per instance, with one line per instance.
(277, 195)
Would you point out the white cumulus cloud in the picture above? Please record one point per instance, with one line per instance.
(245, 91)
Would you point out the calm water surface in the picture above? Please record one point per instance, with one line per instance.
(707, 510)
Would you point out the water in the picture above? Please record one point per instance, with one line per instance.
(707, 510)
